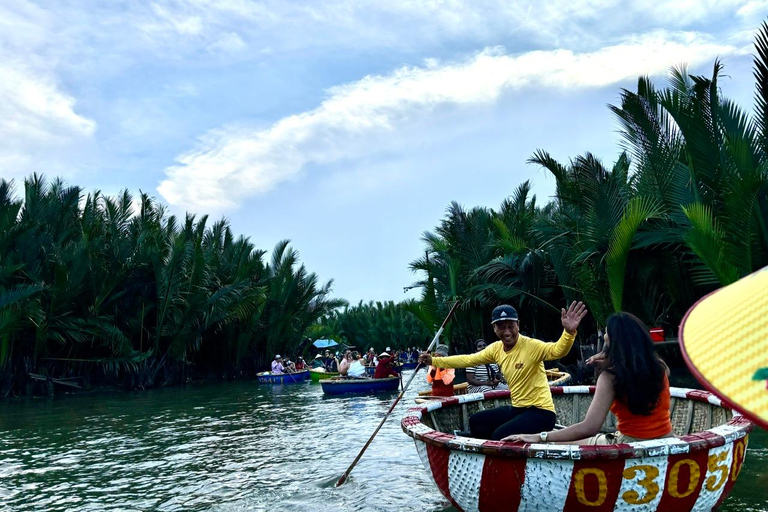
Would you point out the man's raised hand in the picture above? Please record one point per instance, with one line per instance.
(572, 318)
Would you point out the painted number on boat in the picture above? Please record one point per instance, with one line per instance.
(739, 448)
(602, 486)
(674, 475)
(646, 482)
(646, 477)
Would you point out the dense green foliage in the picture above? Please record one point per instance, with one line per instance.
(377, 325)
(88, 286)
(683, 211)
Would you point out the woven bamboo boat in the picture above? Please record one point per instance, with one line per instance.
(283, 378)
(458, 389)
(558, 378)
(359, 386)
(318, 374)
(694, 471)
(554, 377)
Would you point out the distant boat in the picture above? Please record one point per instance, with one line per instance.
(359, 386)
(318, 374)
(409, 366)
(283, 378)
(558, 378)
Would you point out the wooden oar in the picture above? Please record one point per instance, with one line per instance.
(392, 407)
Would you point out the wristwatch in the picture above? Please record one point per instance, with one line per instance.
(543, 436)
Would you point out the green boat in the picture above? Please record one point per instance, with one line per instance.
(318, 374)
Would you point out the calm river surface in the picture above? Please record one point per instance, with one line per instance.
(233, 446)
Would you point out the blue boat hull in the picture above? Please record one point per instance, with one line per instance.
(285, 378)
(359, 386)
(409, 366)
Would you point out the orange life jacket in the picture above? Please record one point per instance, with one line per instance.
(439, 386)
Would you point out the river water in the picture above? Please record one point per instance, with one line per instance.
(233, 446)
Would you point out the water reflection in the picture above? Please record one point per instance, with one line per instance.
(232, 447)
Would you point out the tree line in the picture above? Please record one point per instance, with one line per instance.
(117, 290)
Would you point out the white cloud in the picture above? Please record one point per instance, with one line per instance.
(228, 43)
(34, 107)
(36, 116)
(368, 116)
(177, 28)
(753, 9)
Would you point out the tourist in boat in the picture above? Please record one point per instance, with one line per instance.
(318, 362)
(290, 366)
(633, 384)
(331, 363)
(484, 377)
(357, 368)
(521, 360)
(277, 365)
(370, 358)
(385, 368)
(345, 362)
(440, 378)
(301, 365)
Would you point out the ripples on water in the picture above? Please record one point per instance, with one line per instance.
(234, 446)
(228, 447)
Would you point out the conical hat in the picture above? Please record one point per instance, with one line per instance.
(724, 340)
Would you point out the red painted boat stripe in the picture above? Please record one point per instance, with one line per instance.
(501, 484)
(594, 488)
(685, 473)
(438, 461)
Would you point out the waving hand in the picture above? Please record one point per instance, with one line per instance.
(572, 318)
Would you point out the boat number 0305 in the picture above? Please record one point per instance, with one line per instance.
(716, 464)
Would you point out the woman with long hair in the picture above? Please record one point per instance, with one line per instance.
(633, 384)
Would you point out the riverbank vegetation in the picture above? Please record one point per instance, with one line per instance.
(682, 211)
(375, 325)
(112, 290)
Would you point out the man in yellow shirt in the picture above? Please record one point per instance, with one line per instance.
(521, 360)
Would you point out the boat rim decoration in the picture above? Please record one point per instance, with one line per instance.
(736, 428)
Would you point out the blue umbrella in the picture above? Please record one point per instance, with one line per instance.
(324, 343)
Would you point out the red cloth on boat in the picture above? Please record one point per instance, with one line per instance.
(653, 426)
(383, 369)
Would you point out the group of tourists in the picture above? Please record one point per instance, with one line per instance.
(281, 366)
(632, 382)
(356, 369)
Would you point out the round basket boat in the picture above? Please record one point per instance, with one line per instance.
(554, 377)
(558, 378)
(458, 389)
(283, 378)
(359, 386)
(694, 471)
(318, 374)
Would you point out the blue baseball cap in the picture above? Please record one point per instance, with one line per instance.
(503, 312)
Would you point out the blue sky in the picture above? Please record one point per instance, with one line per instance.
(347, 127)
